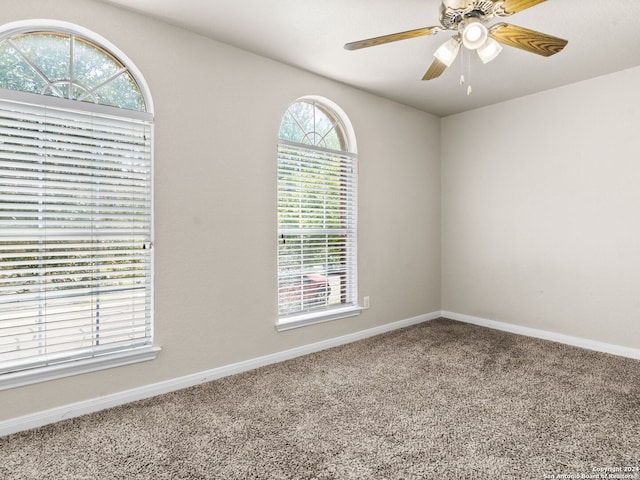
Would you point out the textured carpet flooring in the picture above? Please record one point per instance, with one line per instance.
(441, 400)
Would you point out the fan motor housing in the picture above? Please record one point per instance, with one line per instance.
(484, 10)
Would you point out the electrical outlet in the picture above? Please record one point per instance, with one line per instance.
(365, 302)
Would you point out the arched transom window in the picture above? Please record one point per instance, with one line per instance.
(309, 122)
(75, 204)
(66, 65)
(317, 208)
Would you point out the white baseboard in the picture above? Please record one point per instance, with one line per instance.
(546, 335)
(39, 419)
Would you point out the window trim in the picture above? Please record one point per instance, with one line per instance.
(115, 358)
(304, 319)
(86, 365)
(66, 104)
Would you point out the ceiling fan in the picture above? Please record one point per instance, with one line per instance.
(469, 19)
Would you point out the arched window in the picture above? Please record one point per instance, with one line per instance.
(317, 215)
(75, 204)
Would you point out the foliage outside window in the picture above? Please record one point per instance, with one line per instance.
(75, 208)
(317, 206)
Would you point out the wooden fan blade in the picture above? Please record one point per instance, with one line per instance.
(514, 6)
(435, 70)
(370, 42)
(525, 39)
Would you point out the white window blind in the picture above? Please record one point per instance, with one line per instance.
(76, 232)
(317, 205)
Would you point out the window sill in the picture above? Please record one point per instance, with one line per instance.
(297, 321)
(66, 369)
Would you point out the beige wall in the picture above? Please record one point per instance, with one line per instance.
(540, 208)
(217, 116)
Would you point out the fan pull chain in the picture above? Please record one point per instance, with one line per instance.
(462, 79)
(469, 90)
(462, 67)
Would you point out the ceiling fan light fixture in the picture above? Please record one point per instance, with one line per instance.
(448, 51)
(474, 34)
(490, 50)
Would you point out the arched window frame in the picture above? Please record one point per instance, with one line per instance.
(54, 132)
(317, 214)
(54, 26)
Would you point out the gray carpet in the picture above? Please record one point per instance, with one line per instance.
(440, 400)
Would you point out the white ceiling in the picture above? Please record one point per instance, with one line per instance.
(603, 35)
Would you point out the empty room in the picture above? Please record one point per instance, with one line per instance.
(287, 239)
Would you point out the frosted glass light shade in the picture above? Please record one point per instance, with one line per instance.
(474, 34)
(448, 51)
(490, 50)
